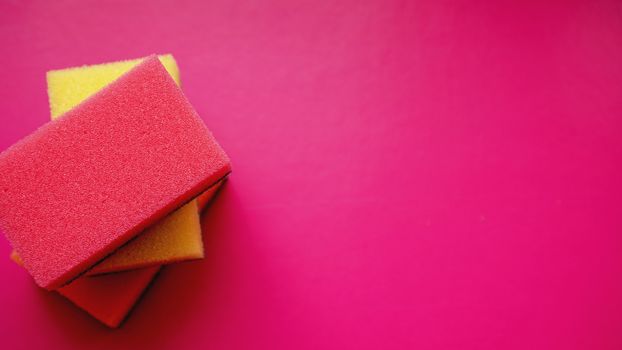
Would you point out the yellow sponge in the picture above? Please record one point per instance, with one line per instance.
(68, 87)
(176, 237)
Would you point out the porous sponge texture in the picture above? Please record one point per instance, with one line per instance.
(108, 298)
(81, 186)
(178, 236)
(68, 87)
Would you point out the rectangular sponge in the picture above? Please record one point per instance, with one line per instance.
(176, 237)
(81, 186)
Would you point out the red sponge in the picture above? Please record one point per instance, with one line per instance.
(109, 298)
(82, 185)
(206, 197)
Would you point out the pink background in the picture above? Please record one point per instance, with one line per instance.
(422, 175)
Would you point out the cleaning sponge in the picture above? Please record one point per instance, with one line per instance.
(164, 242)
(68, 87)
(177, 237)
(81, 186)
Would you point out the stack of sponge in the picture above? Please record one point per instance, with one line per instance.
(96, 201)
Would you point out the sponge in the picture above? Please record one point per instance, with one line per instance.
(81, 186)
(169, 242)
(108, 298)
(175, 238)
(207, 196)
(68, 87)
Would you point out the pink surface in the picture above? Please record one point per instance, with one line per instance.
(82, 185)
(422, 175)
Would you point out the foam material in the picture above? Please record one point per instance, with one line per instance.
(108, 298)
(208, 195)
(169, 242)
(81, 186)
(176, 238)
(68, 87)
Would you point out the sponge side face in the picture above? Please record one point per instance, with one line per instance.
(109, 298)
(176, 237)
(83, 185)
(68, 87)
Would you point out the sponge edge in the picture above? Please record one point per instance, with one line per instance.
(204, 198)
(68, 87)
(108, 298)
(176, 238)
(46, 174)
